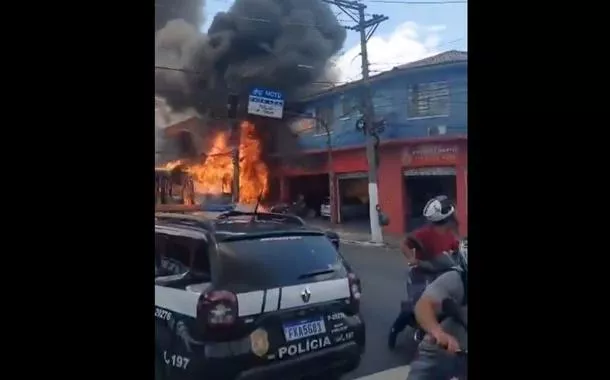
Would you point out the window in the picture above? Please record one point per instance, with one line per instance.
(278, 261)
(428, 100)
(350, 106)
(347, 104)
(177, 255)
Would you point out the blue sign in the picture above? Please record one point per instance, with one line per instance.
(264, 102)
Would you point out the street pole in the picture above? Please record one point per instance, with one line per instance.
(232, 108)
(369, 117)
(236, 137)
(331, 172)
(330, 166)
(369, 111)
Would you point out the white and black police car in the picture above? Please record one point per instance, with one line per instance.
(252, 296)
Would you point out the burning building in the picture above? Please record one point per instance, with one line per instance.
(212, 172)
(281, 44)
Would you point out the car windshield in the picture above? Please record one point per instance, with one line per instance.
(278, 261)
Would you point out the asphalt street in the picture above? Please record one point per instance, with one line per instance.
(382, 272)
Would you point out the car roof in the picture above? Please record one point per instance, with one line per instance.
(232, 225)
(232, 229)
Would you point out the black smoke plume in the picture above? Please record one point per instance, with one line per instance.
(279, 44)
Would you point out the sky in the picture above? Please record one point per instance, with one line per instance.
(413, 31)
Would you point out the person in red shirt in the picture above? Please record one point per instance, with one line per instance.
(428, 252)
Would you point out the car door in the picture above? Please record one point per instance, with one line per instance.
(184, 274)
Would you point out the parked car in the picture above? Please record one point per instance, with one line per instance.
(351, 208)
(325, 208)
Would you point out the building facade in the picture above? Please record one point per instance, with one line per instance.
(421, 113)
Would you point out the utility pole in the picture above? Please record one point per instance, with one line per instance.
(236, 137)
(331, 171)
(232, 107)
(366, 29)
(332, 192)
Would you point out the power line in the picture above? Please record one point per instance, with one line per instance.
(195, 72)
(417, 2)
(332, 84)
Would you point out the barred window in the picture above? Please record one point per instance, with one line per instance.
(428, 100)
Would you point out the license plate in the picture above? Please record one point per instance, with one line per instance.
(303, 329)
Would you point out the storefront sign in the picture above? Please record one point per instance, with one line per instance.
(430, 154)
(429, 171)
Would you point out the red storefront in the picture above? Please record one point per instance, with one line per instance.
(403, 164)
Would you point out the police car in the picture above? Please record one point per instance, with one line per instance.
(252, 296)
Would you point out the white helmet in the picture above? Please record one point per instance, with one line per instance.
(438, 209)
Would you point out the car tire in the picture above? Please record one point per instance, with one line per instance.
(411, 344)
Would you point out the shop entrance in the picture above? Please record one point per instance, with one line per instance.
(423, 184)
(314, 189)
(354, 199)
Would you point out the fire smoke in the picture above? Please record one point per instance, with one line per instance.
(280, 44)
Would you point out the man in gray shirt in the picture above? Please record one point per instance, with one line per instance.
(440, 355)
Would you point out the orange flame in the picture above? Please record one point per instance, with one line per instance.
(172, 165)
(215, 174)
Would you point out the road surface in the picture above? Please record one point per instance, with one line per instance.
(398, 373)
(382, 272)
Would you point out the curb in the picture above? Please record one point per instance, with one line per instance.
(367, 243)
(362, 243)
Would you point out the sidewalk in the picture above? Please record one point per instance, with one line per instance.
(355, 234)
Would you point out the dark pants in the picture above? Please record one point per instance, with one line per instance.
(434, 363)
(416, 284)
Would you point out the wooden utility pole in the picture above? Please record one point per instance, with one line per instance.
(355, 10)
(232, 107)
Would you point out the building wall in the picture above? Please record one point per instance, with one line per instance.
(404, 132)
(344, 161)
(391, 189)
(394, 160)
(390, 98)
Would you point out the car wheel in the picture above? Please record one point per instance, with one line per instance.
(411, 343)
